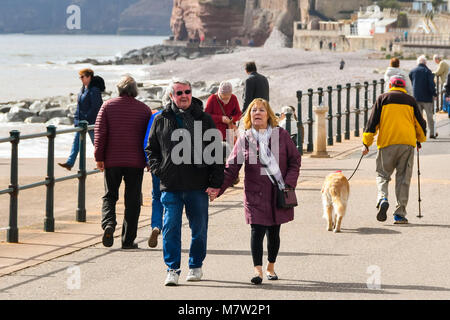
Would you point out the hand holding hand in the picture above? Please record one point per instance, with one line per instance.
(212, 193)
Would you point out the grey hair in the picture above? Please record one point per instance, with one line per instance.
(175, 81)
(422, 59)
(127, 86)
(437, 57)
(166, 97)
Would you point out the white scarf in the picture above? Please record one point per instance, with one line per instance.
(266, 156)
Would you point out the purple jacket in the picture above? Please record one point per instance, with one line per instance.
(119, 131)
(259, 192)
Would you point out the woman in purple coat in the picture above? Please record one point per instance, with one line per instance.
(263, 142)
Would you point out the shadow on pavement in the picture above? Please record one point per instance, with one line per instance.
(370, 231)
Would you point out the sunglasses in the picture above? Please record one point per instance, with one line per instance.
(179, 93)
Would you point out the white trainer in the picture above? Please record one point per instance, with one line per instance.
(172, 278)
(194, 274)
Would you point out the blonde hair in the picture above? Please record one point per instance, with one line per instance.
(273, 120)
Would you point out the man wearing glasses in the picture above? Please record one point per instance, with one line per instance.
(185, 180)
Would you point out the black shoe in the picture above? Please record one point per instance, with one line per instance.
(133, 246)
(256, 280)
(434, 137)
(382, 209)
(108, 236)
(66, 166)
(272, 277)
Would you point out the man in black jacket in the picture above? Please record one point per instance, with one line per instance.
(256, 86)
(186, 178)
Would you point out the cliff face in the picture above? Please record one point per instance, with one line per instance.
(97, 16)
(192, 19)
(232, 19)
(251, 19)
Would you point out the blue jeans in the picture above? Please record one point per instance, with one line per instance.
(157, 207)
(196, 203)
(446, 104)
(76, 147)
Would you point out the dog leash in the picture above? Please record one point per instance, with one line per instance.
(356, 167)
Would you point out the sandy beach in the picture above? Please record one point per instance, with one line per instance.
(288, 69)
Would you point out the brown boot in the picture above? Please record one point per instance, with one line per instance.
(65, 165)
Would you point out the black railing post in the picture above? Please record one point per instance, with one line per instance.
(374, 96)
(299, 123)
(310, 145)
(382, 85)
(366, 102)
(357, 110)
(49, 221)
(339, 114)
(330, 115)
(81, 210)
(288, 122)
(348, 86)
(12, 234)
(320, 92)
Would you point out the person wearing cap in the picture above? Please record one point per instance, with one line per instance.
(424, 90)
(224, 109)
(283, 120)
(397, 120)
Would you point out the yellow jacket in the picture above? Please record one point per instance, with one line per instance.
(396, 116)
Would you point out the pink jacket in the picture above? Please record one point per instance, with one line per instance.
(259, 192)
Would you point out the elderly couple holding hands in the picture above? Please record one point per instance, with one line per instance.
(190, 185)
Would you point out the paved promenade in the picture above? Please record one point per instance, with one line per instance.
(368, 260)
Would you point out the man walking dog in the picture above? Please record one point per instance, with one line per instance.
(401, 126)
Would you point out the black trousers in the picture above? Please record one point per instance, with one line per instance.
(257, 239)
(133, 187)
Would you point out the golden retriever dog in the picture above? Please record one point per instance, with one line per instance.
(335, 192)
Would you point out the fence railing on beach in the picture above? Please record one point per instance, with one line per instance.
(14, 188)
(346, 105)
(359, 99)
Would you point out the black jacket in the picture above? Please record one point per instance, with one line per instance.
(256, 86)
(180, 177)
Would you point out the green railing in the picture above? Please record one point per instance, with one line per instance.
(14, 188)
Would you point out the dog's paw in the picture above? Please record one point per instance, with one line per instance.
(336, 231)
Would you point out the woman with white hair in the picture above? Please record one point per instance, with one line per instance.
(224, 109)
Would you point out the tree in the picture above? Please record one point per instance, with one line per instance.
(436, 4)
(393, 4)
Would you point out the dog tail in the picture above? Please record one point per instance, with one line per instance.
(339, 198)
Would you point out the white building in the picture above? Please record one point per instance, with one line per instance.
(373, 20)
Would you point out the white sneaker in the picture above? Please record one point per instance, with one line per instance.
(172, 278)
(194, 274)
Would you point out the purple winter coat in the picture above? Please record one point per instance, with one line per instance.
(259, 192)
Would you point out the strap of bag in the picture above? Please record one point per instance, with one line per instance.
(230, 125)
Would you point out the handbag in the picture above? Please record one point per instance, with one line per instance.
(286, 198)
(231, 125)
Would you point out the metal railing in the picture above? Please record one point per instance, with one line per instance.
(13, 189)
(356, 103)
